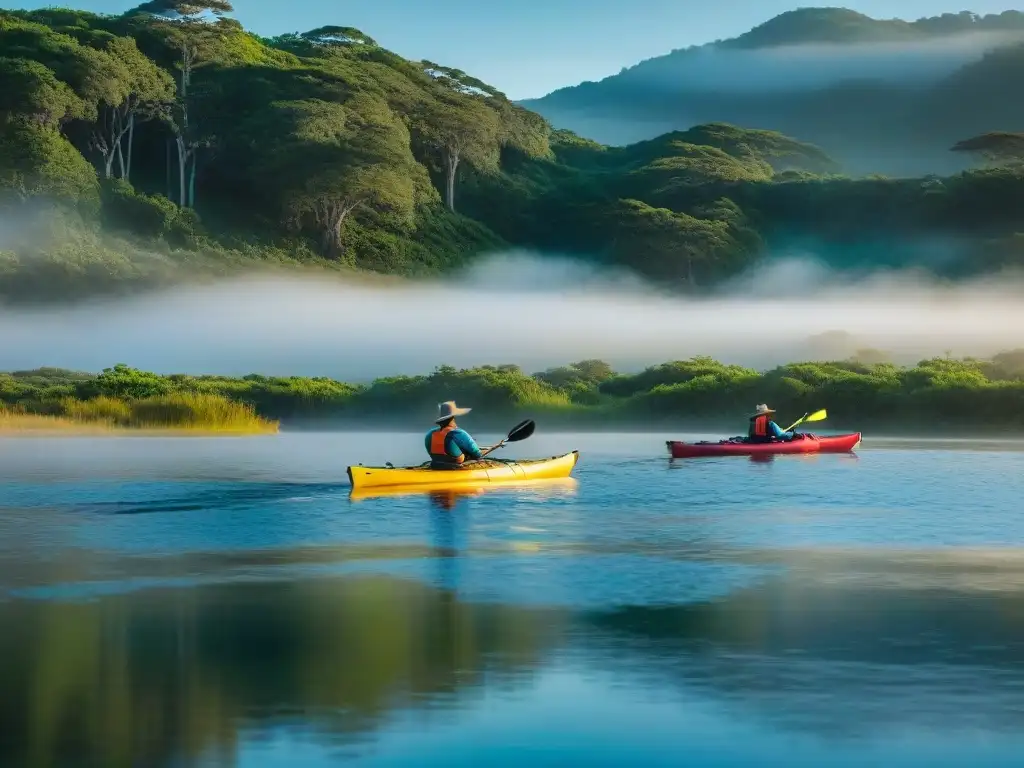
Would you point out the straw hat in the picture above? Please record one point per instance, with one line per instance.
(448, 410)
(762, 409)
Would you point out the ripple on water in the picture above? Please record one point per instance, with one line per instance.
(804, 611)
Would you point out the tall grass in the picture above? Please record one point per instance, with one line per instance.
(193, 410)
(107, 410)
(175, 412)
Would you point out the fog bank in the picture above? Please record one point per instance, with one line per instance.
(516, 308)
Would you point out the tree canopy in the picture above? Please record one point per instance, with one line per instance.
(172, 130)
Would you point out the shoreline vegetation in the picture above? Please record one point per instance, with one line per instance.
(186, 413)
(937, 396)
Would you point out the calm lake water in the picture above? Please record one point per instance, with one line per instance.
(191, 601)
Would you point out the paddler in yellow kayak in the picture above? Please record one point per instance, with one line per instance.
(448, 444)
(763, 429)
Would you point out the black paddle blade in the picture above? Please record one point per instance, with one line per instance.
(521, 431)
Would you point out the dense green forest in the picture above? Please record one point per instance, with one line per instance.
(169, 144)
(879, 95)
(939, 394)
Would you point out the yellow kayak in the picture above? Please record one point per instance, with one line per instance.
(474, 473)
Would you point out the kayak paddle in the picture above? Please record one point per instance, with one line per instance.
(816, 416)
(520, 431)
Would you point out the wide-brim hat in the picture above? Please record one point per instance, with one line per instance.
(763, 409)
(449, 410)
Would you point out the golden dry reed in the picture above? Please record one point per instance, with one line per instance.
(181, 412)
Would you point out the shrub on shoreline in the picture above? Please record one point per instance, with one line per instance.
(935, 395)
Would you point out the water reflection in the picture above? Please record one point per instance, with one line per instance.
(863, 612)
(840, 659)
(448, 498)
(152, 677)
(158, 676)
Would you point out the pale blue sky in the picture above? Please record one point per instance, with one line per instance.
(530, 47)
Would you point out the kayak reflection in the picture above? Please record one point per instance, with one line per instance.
(446, 498)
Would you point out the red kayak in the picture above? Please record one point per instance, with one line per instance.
(805, 443)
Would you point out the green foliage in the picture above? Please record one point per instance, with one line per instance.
(124, 382)
(37, 161)
(30, 90)
(781, 152)
(323, 148)
(692, 165)
(331, 36)
(337, 158)
(937, 394)
(677, 247)
(152, 216)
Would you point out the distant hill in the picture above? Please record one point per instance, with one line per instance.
(880, 96)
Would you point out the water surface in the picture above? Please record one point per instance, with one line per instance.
(192, 601)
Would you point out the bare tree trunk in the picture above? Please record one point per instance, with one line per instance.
(108, 163)
(108, 143)
(182, 163)
(331, 218)
(187, 57)
(192, 181)
(113, 126)
(131, 141)
(451, 167)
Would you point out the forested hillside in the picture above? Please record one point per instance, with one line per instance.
(169, 144)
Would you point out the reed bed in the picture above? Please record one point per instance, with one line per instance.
(179, 412)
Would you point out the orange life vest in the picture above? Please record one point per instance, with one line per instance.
(759, 428)
(438, 448)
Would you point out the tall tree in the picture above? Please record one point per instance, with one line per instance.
(460, 128)
(185, 24)
(337, 158)
(146, 91)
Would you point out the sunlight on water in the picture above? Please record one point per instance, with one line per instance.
(226, 602)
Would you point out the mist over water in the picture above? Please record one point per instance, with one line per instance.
(516, 308)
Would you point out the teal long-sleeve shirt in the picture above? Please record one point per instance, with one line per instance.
(777, 432)
(457, 443)
(774, 430)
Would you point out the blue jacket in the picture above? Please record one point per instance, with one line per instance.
(457, 443)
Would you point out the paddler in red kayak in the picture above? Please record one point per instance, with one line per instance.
(448, 444)
(763, 429)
